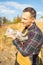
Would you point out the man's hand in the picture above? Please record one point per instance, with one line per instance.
(11, 36)
(10, 33)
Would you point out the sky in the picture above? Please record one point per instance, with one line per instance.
(12, 8)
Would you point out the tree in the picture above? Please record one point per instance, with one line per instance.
(1, 21)
(41, 16)
(6, 21)
(17, 19)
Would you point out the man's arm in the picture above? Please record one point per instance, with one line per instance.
(33, 42)
(20, 47)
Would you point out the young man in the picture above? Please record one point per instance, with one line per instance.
(32, 45)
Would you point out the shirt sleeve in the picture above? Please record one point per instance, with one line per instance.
(29, 46)
(20, 47)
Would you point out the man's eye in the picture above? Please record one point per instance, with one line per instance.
(24, 19)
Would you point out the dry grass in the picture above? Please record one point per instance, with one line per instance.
(6, 46)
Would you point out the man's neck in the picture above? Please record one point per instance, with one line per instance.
(28, 26)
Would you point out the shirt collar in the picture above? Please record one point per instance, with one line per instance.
(27, 27)
(32, 27)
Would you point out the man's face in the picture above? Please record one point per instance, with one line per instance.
(26, 18)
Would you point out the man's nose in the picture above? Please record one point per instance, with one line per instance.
(22, 21)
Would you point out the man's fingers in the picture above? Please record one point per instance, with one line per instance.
(11, 36)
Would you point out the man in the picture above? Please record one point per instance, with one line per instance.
(32, 45)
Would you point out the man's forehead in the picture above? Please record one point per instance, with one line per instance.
(26, 14)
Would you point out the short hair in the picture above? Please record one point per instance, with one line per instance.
(31, 10)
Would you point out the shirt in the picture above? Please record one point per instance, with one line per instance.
(33, 44)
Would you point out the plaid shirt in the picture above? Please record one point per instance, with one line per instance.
(33, 44)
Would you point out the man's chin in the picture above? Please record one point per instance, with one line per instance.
(24, 24)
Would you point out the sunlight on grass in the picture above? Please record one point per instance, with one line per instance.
(7, 42)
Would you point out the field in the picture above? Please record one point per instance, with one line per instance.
(8, 51)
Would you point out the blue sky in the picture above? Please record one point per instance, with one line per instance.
(12, 8)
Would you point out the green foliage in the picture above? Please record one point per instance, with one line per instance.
(0, 21)
(6, 21)
(41, 16)
(17, 20)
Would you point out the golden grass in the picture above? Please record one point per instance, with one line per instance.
(7, 42)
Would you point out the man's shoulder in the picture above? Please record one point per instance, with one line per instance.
(38, 30)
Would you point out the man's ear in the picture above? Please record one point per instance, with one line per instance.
(33, 20)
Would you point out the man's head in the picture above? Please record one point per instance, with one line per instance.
(28, 16)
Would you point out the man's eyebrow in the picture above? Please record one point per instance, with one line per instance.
(24, 18)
